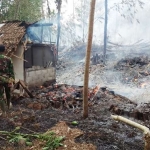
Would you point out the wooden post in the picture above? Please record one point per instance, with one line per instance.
(87, 60)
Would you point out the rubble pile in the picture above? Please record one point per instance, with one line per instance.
(56, 95)
(97, 59)
(135, 70)
(132, 62)
(70, 97)
(59, 102)
(138, 112)
(62, 101)
(65, 96)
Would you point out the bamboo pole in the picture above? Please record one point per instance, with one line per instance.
(87, 60)
(145, 130)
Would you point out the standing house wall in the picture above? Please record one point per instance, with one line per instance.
(40, 66)
(39, 76)
(32, 76)
(42, 53)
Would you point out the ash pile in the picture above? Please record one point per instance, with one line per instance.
(135, 69)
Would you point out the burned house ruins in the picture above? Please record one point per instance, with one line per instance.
(33, 54)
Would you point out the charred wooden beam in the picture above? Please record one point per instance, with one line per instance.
(25, 88)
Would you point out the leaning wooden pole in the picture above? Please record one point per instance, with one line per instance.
(145, 130)
(87, 61)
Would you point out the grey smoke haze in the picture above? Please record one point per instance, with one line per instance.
(120, 30)
(108, 77)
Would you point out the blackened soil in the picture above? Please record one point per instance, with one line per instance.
(98, 128)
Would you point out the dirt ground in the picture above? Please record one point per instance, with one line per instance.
(48, 111)
(99, 129)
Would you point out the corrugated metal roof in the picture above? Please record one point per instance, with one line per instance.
(11, 34)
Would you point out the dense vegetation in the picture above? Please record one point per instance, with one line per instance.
(21, 10)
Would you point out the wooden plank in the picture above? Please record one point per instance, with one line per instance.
(25, 88)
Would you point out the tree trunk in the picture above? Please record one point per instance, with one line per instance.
(48, 8)
(1, 10)
(83, 20)
(87, 61)
(105, 32)
(16, 17)
(58, 26)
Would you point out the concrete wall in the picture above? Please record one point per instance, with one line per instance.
(32, 76)
(18, 63)
(38, 77)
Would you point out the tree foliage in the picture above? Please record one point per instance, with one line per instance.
(130, 6)
(75, 29)
(27, 10)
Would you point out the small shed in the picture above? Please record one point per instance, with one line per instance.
(32, 49)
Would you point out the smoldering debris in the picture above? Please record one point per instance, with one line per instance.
(134, 69)
(126, 70)
(58, 96)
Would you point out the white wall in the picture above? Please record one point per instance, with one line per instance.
(38, 77)
(32, 76)
(18, 64)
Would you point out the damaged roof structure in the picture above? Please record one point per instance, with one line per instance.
(24, 43)
(11, 33)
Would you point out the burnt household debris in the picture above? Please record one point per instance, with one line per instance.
(56, 104)
(33, 53)
(49, 95)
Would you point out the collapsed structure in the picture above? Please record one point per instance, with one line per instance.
(32, 49)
